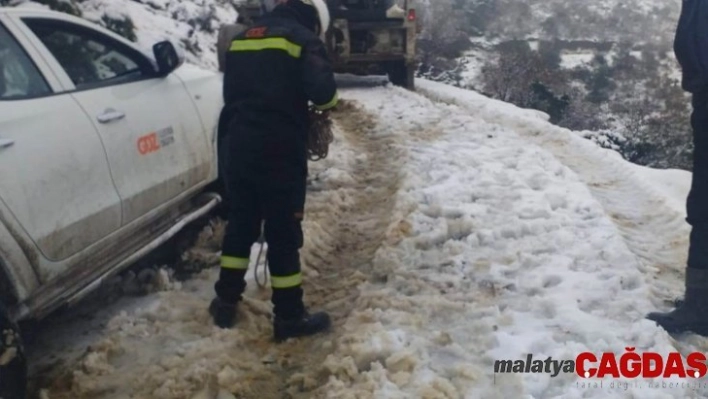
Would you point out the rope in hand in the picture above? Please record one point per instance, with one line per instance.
(261, 240)
(320, 135)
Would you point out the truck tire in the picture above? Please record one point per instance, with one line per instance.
(219, 185)
(402, 74)
(13, 364)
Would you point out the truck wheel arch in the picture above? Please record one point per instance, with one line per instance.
(16, 270)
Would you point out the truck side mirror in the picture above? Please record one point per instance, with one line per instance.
(167, 57)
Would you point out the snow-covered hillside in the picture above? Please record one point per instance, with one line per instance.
(637, 21)
(444, 232)
(579, 23)
(604, 66)
(193, 24)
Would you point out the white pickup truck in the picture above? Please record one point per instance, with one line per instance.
(106, 151)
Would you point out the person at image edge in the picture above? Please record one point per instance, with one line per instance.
(691, 49)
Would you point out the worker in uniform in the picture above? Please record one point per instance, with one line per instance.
(691, 50)
(273, 71)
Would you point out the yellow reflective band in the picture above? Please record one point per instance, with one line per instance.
(287, 281)
(330, 104)
(271, 43)
(232, 262)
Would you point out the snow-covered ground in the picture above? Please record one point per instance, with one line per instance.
(673, 184)
(445, 231)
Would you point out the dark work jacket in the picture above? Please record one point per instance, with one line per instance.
(272, 70)
(691, 45)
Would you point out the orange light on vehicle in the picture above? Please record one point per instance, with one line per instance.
(411, 15)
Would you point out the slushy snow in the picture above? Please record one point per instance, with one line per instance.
(445, 231)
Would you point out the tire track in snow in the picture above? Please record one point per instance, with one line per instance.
(654, 231)
(652, 228)
(345, 223)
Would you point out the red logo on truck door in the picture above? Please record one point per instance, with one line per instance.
(148, 144)
(152, 142)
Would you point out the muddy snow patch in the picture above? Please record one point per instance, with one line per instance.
(167, 346)
(441, 239)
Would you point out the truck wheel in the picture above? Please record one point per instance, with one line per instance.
(402, 74)
(13, 365)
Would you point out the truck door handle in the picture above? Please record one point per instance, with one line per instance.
(110, 115)
(4, 143)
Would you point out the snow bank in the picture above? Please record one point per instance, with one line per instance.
(652, 224)
(635, 203)
(502, 251)
(673, 184)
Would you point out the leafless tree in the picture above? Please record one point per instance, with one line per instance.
(510, 76)
(442, 35)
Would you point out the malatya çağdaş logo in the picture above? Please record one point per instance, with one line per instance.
(626, 365)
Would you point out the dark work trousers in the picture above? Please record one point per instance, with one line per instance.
(221, 157)
(697, 204)
(263, 188)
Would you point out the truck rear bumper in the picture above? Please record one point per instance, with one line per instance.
(370, 42)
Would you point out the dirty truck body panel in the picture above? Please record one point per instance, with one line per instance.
(95, 166)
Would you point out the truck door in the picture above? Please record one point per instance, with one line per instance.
(153, 136)
(56, 190)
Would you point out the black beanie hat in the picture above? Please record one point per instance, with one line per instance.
(306, 13)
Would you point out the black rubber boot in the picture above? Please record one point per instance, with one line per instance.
(697, 254)
(305, 325)
(691, 314)
(292, 320)
(223, 313)
(229, 292)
